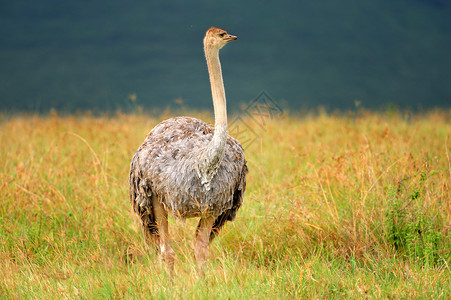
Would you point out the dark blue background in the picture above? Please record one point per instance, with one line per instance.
(71, 55)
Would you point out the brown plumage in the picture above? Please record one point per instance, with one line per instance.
(190, 169)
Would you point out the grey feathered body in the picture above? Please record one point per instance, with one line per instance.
(166, 167)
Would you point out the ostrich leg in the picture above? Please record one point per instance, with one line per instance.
(161, 218)
(201, 242)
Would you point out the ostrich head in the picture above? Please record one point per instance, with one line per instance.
(216, 38)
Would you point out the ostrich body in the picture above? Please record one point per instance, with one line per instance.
(190, 169)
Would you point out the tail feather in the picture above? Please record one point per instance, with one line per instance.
(141, 199)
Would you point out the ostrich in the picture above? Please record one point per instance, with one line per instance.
(187, 168)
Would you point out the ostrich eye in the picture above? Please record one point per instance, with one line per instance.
(222, 34)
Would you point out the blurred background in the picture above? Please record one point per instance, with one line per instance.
(109, 54)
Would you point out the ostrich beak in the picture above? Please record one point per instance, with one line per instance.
(230, 38)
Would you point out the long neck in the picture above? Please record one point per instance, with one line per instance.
(217, 87)
(213, 154)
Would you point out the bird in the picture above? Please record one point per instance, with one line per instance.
(188, 169)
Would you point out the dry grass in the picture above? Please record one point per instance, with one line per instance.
(336, 206)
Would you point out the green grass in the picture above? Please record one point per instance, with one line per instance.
(336, 206)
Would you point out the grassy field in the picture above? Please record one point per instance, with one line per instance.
(346, 205)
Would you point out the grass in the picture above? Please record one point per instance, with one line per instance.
(337, 206)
